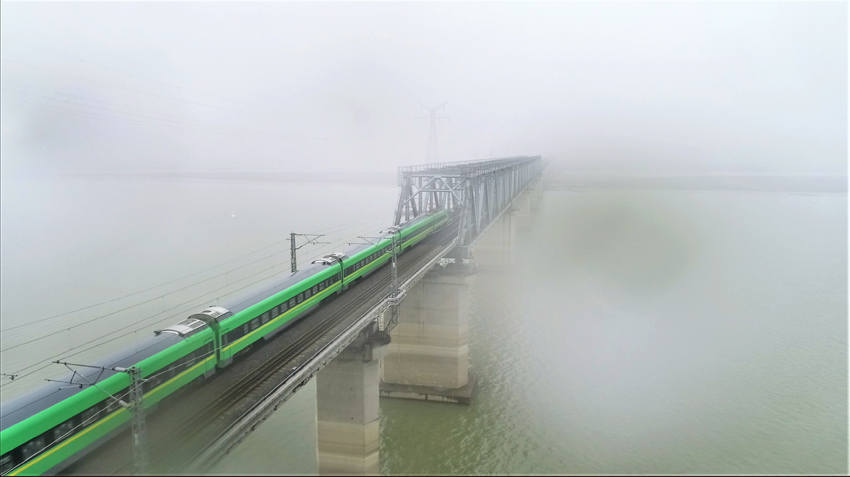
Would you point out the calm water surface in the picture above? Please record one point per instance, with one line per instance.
(641, 331)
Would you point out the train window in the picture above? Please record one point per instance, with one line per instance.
(112, 403)
(151, 383)
(307, 293)
(321, 285)
(169, 371)
(300, 297)
(6, 463)
(265, 317)
(292, 302)
(315, 289)
(32, 448)
(245, 330)
(63, 431)
(87, 417)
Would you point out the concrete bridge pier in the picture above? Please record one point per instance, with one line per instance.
(428, 357)
(347, 410)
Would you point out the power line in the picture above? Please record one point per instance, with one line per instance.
(135, 330)
(41, 320)
(124, 309)
(432, 155)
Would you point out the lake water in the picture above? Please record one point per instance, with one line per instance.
(641, 331)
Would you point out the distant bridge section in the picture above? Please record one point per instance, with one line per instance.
(479, 190)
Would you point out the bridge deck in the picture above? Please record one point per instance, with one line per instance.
(176, 433)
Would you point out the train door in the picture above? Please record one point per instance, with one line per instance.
(209, 349)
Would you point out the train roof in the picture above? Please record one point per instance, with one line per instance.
(264, 291)
(41, 398)
(383, 234)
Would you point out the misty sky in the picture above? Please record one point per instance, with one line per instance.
(668, 86)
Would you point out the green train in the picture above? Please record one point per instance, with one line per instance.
(44, 431)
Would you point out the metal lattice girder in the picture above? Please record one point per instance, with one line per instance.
(476, 190)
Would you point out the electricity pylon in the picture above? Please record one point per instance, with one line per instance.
(433, 155)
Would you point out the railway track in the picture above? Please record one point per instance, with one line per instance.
(204, 420)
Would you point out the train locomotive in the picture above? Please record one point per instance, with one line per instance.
(44, 431)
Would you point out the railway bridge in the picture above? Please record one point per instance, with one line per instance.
(410, 315)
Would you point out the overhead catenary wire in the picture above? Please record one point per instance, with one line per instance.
(155, 298)
(279, 242)
(197, 298)
(88, 322)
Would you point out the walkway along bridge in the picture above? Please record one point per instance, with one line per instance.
(412, 313)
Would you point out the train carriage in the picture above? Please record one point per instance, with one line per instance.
(50, 428)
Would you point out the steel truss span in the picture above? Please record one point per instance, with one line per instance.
(479, 191)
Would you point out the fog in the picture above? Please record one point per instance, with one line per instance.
(710, 87)
(669, 297)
